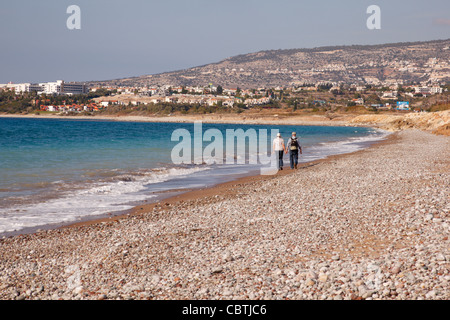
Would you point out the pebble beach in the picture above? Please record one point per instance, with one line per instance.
(373, 224)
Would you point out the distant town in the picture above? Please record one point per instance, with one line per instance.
(76, 97)
(399, 77)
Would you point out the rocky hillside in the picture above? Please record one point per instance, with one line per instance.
(375, 64)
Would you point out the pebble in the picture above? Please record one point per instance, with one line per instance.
(309, 282)
(323, 277)
(396, 269)
(440, 257)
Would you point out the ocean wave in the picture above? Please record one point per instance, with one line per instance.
(93, 200)
(351, 144)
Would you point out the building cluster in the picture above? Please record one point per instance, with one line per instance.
(71, 107)
(230, 97)
(58, 87)
(46, 105)
(166, 90)
(425, 90)
(176, 98)
(206, 96)
(214, 95)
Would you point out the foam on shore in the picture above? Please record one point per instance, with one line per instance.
(93, 200)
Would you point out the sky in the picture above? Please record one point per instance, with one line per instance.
(121, 38)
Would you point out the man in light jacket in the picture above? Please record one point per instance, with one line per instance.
(294, 148)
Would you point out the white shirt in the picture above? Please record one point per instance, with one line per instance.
(278, 144)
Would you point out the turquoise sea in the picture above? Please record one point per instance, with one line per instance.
(57, 171)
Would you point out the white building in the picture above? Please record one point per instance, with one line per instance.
(436, 90)
(390, 95)
(57, 87)
(52, 87)
(22, 87)
(428, 90)
(74, 88)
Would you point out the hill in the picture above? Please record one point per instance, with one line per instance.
(369, 64)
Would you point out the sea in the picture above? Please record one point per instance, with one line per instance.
(55, 172)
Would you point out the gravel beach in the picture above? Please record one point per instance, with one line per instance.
(369, 225)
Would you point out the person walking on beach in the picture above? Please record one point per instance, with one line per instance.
(279, 148)
(294, 148)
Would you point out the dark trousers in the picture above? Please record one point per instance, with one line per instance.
(280, 158)
(293, 157)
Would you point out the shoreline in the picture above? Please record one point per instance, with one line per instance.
(218, 189)
(169, 194)
(371, 224)
(171, 197)
(434, 122)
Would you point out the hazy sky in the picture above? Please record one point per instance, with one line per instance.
(121, 38)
